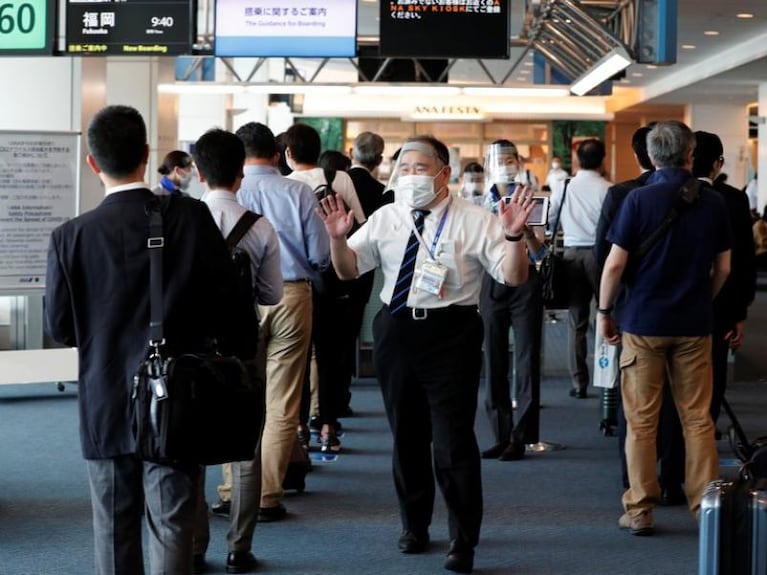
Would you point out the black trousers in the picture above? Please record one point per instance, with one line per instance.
(429, 374)
(521, 308)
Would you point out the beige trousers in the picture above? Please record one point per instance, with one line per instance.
(644, 363)
(287, 330)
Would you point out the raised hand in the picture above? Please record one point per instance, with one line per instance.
(514, 214)
(333, 213)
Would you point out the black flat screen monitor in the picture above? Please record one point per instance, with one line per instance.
(128, 27)
(444, 29)
(287, 28)
(27, 27)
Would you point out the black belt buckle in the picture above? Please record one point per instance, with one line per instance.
(419, 313)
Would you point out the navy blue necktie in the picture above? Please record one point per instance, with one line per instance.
(407, 267)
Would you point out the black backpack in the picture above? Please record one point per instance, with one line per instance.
(245, 290)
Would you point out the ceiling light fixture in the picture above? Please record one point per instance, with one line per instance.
(688, 46)
(711, 33)
(744, 15)
(613, 62)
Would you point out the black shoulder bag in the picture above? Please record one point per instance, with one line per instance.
(195, 408)
(552, 270)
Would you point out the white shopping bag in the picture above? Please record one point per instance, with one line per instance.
(606, 367)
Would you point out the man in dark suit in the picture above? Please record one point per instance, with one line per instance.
(97, 299)
(731, 303)
(366, 155)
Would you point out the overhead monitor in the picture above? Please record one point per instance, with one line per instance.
(128, 27)
(27, 27)
(444, 29)
(288, 28)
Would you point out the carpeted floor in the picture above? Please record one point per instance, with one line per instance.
(552, 513)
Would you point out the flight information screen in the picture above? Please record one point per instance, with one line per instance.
(26, 27)
(128, 27)
(445, 29)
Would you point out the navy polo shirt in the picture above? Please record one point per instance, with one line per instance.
(670, 293)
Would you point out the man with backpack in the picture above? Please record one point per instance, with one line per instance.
(255, 249)
(332, 313)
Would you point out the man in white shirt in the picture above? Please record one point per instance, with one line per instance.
(219, 156)
(580, 210)
(432, 249)
(557, 175)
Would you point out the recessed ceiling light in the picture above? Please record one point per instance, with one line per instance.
(688, 46)
(651, 67)
(527, 63)
(524, 72)
(711, 33)
(637, 74)
(744, 15)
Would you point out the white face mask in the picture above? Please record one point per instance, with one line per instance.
(505, 174)
(474, 188)
(555, 165)
(415, 191)
(184, 180)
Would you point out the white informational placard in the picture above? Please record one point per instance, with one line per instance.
(288, 28)
(39, 186)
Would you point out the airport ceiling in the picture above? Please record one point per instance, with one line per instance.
(721, 57)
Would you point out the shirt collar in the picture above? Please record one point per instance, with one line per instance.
(218, 194)
(124, 187)
(253, 170)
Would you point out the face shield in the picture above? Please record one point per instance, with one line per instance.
(501, 164)
(414, 173)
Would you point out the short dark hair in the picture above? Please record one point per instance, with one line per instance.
(473, 168)
(334, 160)
(591, 153)
(304, 143)
(443, 154)
(708, 149)
(258, 139)
(282, 164)
(219, 156)
(174, 159)
(639, 145)
(117, 140)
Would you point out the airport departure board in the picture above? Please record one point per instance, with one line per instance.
(26, 27)
(128, 27)
(444, 29)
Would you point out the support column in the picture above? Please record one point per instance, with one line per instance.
(730, 123)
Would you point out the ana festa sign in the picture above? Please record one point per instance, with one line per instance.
(422, 112)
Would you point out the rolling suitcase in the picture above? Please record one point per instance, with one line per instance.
(733, 528)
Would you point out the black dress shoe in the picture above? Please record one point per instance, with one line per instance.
(241, 562)
(672, 496)
(578, 393)
(269, 514)
(514, 452)
(495, 451)
(411, 543)
(198, 563)
(222, 508)
(460, 561)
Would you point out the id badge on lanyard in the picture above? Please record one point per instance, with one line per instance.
(431, 275)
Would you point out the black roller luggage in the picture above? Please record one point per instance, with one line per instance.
(733, 528)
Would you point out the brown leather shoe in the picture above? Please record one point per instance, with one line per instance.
(641, 524)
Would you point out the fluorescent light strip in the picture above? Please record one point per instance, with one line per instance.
(612, 63)
(374, 90)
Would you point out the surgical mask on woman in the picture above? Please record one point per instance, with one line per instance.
(474, 188)
(505, 174)
(416, 191)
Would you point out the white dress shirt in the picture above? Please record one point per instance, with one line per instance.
(583, 204)
(342, 185)
(472, 241)
(260, 242)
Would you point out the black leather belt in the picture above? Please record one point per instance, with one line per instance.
(422, 313)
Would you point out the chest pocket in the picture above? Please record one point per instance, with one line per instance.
(446, 255)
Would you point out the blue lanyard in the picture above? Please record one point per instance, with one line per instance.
(440, 226)
(168, 184)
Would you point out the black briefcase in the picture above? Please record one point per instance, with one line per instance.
(196, 409)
